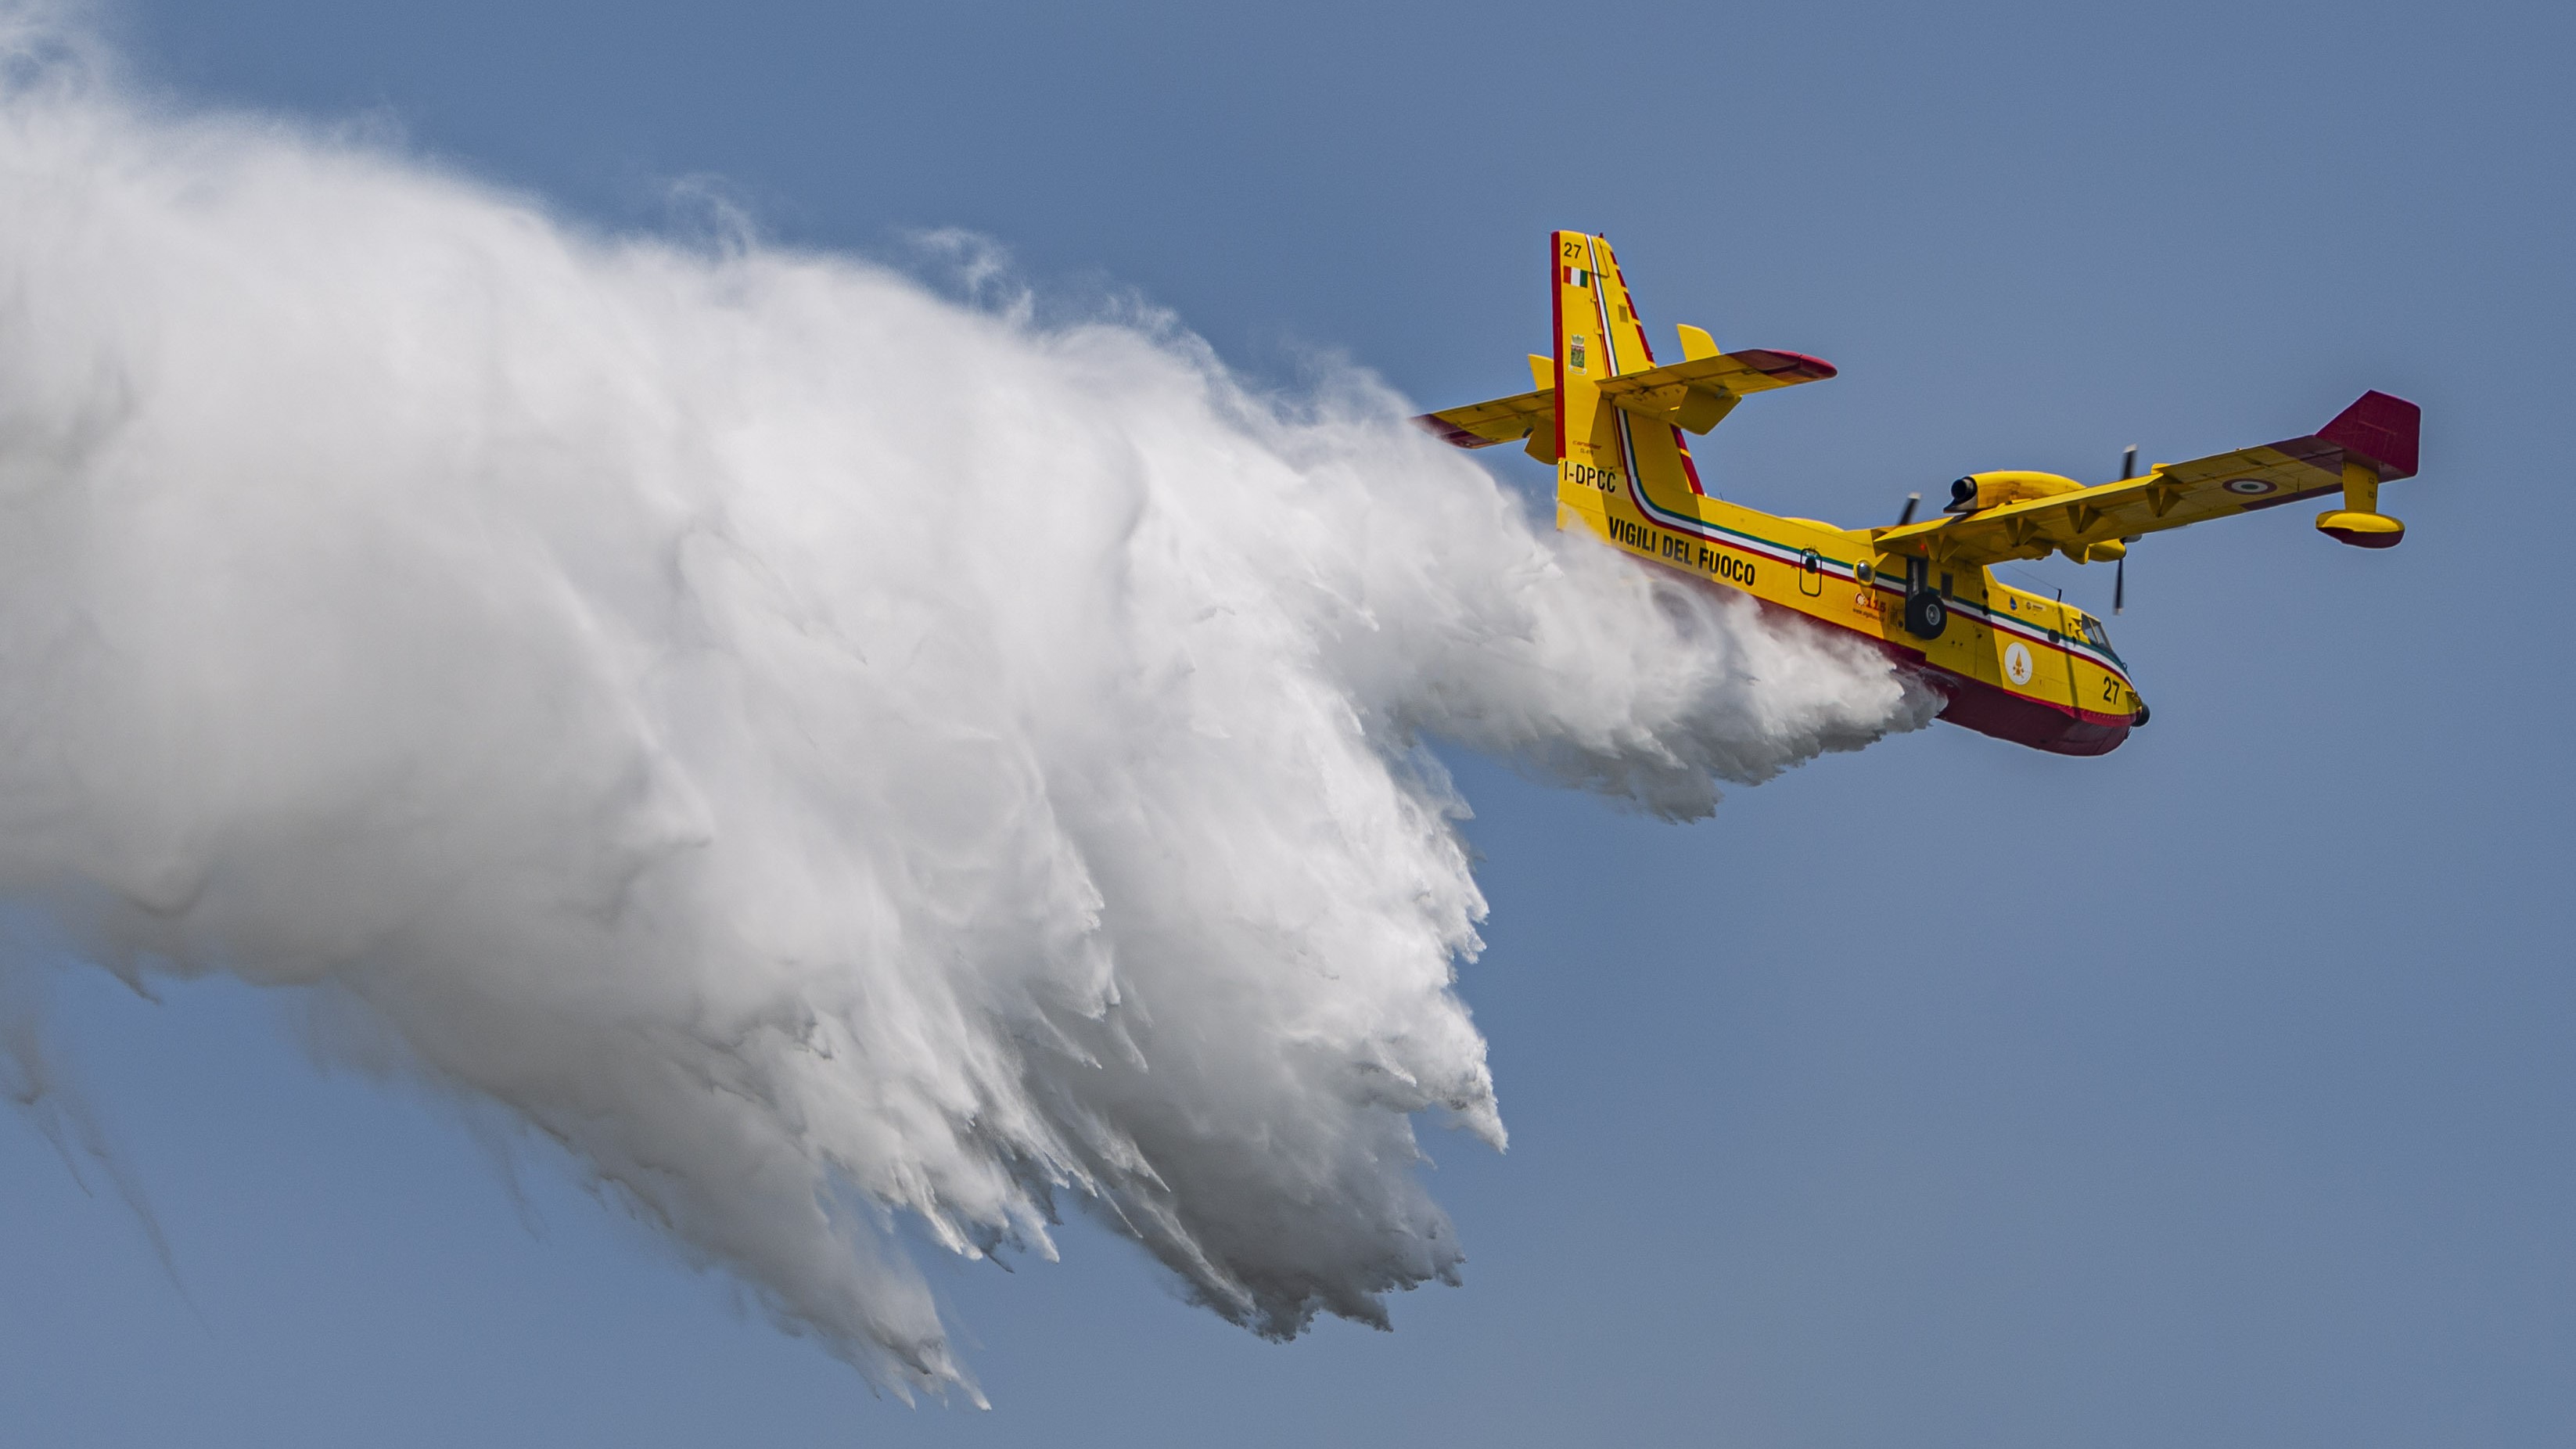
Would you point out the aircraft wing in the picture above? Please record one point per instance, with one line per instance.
(2379, 432)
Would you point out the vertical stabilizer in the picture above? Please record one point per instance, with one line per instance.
(1600, 336)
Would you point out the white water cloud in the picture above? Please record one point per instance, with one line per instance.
(820, 752)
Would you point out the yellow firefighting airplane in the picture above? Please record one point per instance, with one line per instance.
(2010, 663)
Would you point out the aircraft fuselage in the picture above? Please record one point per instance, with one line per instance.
(2011, 663)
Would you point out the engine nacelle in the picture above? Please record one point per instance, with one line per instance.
(1993, 490)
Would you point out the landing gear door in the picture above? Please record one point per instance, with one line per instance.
(1811, 573)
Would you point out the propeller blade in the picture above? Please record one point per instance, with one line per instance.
(1911, 499)
(2120, 570)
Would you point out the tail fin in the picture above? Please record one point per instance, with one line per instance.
(1603, 413)
(1597, 338)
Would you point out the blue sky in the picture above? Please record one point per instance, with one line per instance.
(2217, 1091)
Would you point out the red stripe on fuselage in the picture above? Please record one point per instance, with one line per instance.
(1556, 317)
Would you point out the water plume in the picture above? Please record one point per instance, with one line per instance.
(823, 752)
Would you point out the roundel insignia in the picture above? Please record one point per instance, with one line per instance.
(2017, 663)
(2248, 487)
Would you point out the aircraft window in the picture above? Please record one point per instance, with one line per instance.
(2095, 634)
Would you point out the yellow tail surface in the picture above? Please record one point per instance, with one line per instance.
(1600, 337)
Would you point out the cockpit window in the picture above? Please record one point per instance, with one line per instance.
(2094, 633)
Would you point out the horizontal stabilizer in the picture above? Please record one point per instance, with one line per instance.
(1697, 393)
(1693, 394)
(1755, 369)
(1504, 420)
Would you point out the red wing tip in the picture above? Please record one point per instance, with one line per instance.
(1786, 364)
(2382, 430)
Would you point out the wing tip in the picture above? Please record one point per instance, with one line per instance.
(2380, 429)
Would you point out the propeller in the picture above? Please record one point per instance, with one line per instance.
(2120, 570)
(1913, 499)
